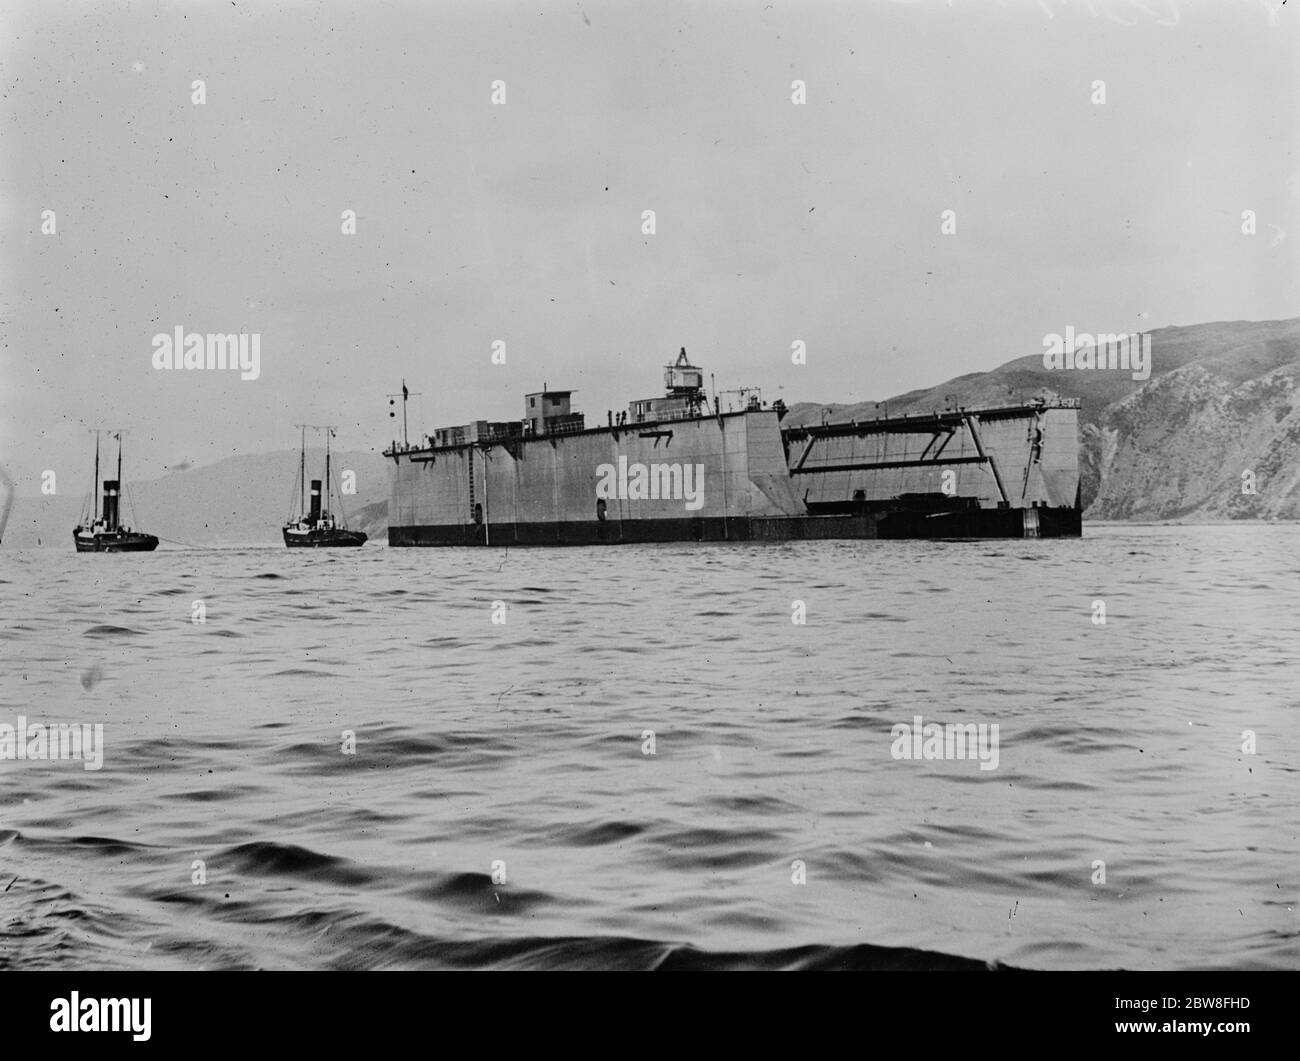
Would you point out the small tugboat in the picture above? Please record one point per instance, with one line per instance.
(104, 533)
(316, 527)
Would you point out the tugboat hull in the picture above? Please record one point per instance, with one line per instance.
(120, 542)
(324, 539)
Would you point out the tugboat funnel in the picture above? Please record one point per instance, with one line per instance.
(111, 487)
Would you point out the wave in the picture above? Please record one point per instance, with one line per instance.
(264, 858)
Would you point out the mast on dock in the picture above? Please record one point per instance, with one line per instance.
(405, 395)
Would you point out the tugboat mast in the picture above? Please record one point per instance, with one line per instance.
(302, 472)
(302, 467)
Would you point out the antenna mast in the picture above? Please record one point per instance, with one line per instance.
(405, 395)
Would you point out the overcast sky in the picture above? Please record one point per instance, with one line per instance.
(523, 222)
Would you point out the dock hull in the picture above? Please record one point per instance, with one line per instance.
(979, 523)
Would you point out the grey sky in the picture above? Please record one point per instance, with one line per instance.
(522, 222)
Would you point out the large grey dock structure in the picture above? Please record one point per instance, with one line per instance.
(675, 469)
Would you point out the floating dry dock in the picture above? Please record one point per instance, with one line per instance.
(676, 469)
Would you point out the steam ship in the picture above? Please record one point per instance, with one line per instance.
(315, 527)
(104, 533)
(672, 468)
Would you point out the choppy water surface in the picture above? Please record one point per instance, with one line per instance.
(523, 742)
